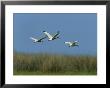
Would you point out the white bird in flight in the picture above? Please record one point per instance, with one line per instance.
(37, 40)
(72, 44)
(51, 37)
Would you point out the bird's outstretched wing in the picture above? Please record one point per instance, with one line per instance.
(68, 43)
(47, 34)
(56, 34)
(34, 39)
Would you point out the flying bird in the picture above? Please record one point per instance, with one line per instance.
(51, 37)
(72, 44)
(37, 40)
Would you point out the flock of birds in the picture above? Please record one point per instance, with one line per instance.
(51, 37)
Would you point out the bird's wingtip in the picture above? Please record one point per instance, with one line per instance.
(43, 31)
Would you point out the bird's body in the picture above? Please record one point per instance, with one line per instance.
(50, 37)
(72, 44)
(37, 40)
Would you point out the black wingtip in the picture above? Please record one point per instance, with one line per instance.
(43, 31)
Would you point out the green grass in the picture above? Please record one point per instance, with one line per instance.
(54, 73)
(48, 64)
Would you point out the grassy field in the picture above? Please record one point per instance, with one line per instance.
(46, 64)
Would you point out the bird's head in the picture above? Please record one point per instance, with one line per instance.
(57, 37)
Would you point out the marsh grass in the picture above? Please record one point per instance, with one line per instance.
(53, 64)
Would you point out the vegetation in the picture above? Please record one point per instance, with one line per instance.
(48, 64)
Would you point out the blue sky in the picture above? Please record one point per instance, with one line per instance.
(72, 26)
